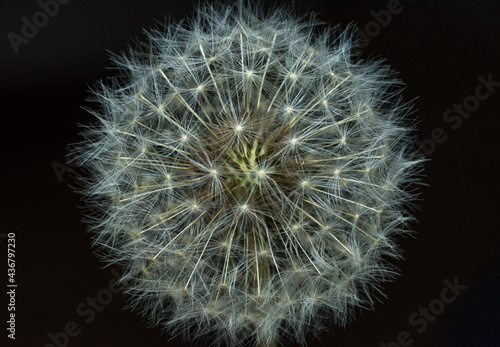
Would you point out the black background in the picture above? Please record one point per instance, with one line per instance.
(440, 49)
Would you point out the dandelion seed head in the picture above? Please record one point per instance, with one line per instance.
(250, 174)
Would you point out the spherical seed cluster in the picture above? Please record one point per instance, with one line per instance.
(248, 174)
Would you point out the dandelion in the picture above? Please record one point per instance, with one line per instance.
(250, 175)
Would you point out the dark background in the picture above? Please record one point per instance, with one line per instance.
(440, 49)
